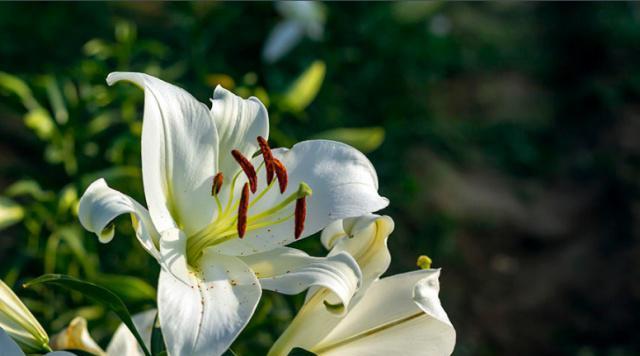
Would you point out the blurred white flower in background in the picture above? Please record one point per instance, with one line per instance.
(301, 18)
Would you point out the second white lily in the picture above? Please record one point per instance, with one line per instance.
(398, 315)
(218, 218)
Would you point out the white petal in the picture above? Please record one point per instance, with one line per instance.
(100, 205)
(364, 238)
(123, 343)
(179, 143)
(399, 315)
(8, 347)
(239, 122)
(291, 271)
(76, 336)
(310, 14)
(284, 36)
(344, 185)
(204, 315)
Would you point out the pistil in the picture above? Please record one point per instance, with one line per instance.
(228, 225)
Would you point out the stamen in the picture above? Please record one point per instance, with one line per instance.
(281, 174)
(217, 183)
(248, 169)
(242, 211)
(300, 215)
(267, 157)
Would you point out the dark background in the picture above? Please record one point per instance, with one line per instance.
(511, 152)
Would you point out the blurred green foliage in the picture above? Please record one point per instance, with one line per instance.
(505, 135)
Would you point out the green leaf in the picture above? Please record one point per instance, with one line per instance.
(301, 352)
(41, 123)
(67, 199)
(415, 11)
(78, 352)
(97, 293)
(10, 212)
(365, 139)
(72, 235)
(229, 352)
(56, 99)
(112, 174)
(305, 88)
(18, 87)
(28, 188)
(128, 288)
(98, 48)
(157, 340)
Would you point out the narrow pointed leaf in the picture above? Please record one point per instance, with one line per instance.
(129, 288)
(97, 293)
(157, 340)
(10, 212)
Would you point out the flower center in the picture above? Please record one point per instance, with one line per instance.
(234, 219)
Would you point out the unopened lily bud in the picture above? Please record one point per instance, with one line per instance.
(18, 322)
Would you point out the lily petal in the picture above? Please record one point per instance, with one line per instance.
(364, 238)
(179, 143)
(284, 36)
(310, 14)
(100, 205)
(123, 343)
(239, 122)
(8, 346)
(291, 271)
(344, 184)
(397, 313)
(204, 309)
(76, 337)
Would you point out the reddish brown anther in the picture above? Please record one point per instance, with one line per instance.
(300, 215)
(242, 211)
(281, 174)
(267, 157)
(248, 169)
(217, 183)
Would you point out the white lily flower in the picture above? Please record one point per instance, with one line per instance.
(301, 18)
(217, 224)
(18, 322)
(400, 314)
(76, 337)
